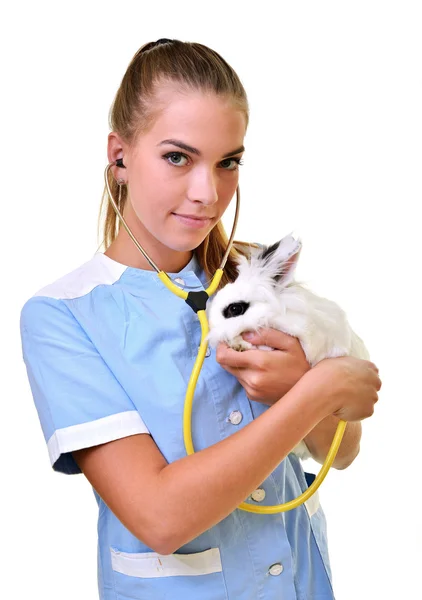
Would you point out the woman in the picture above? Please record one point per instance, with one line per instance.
(109, 351)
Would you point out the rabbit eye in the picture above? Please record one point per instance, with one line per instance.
(235, 309)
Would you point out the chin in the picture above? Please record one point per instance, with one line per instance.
(185, 247)
(185, 244)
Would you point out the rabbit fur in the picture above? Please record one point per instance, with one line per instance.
(265, 294)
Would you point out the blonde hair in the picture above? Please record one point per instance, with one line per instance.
(195, 67)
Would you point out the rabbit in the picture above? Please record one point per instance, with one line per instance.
(265, 294)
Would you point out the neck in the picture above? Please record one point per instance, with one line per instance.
(124, 251)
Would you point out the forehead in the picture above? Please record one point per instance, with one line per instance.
(200, 119)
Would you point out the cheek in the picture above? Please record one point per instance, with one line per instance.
(154, 192)
(227, 189)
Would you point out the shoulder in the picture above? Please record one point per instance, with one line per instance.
(50, 302)
(99, 270)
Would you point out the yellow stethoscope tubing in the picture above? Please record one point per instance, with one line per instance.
(187, 434)
(190, 391)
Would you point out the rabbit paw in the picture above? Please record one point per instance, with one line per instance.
(240, 345)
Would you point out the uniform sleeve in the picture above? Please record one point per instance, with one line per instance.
(79, 401)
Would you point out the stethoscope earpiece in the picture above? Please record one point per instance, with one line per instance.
(119, 163)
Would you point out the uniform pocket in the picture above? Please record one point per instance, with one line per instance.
(149, 575)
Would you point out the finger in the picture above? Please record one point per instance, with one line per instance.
(271, 337)
(236, 371)
(227, 357)
(239, 374)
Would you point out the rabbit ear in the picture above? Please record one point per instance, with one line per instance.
(280, 259)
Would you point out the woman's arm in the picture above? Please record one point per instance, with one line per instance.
(167, 505)
(266, 376)
(321, 437)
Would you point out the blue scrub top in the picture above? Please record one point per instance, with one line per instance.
(96, 343)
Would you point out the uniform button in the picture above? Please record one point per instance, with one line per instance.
(207, 352)
(180, 280)
(235, 417)
(275, 569)
(258, 495)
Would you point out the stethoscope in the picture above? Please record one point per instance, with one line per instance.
(197, 301)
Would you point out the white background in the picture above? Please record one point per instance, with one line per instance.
(333, 152)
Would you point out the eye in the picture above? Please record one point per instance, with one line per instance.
(176, 159)
(231, 164)
(235, 309)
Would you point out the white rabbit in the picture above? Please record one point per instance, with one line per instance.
(265, 295)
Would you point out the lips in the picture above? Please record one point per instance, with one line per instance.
(193, 221)
(196, 217)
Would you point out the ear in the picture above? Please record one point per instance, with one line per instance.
(281, 258)
(247, 253)
(116, 148)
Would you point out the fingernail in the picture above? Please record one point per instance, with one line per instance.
(247, 336)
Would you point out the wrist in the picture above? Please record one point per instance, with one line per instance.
(316, 388)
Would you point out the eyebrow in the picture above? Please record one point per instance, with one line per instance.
(192, 150)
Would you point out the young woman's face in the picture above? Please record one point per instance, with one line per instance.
(183, 172)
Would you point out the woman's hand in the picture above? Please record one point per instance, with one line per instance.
(266, 375)
(348, 385)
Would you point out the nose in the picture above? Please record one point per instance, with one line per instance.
(203, 187)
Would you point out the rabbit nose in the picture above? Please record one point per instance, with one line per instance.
(235, 309)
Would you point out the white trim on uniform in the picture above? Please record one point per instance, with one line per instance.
(95, 432)
(151, 564)
(312, 504)
(100, 270)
